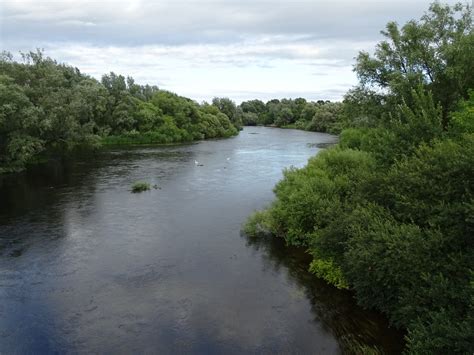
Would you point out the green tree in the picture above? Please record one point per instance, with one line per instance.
(228, 107)
(436, 51)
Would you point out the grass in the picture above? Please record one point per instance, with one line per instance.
(140, 186)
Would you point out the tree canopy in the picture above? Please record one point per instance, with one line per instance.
(320, 116)
(48, 108)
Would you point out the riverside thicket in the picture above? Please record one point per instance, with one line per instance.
(388, 212)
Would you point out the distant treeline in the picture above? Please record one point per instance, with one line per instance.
(320, 116)
(389, 211)
(50, 108)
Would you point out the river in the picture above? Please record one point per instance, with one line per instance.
(86, 266)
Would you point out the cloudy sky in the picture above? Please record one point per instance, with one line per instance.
(240, 49)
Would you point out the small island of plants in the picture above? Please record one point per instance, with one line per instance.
(140, 186)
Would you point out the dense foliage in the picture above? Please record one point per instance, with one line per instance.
(389, 212)
(320, 116)
(52, 108)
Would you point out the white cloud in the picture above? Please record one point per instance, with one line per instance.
(206, 48)
(256, 68)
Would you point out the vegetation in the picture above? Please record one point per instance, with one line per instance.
(320, 116)
(388, 212)
(47, 108)
(140, 186)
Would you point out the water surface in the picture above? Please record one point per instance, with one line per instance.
(88, 267)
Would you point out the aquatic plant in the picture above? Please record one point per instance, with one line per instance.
(140, 186)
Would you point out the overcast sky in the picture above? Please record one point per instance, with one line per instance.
(239, 49)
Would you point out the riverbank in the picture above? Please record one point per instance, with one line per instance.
(132, 139)
(298, 127)
(152, 138)
(376, 218)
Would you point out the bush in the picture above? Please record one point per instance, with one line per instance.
(259, 224)
(310, 199)
(393, 223)
(389, 213)
(327, 270)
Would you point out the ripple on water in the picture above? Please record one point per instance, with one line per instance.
(88, 267)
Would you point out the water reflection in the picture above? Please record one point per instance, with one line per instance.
(336, 309)
(88, 267)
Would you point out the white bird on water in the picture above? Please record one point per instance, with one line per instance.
(228, 159)
(196, 162)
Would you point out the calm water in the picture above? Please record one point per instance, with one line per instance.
(86, 266)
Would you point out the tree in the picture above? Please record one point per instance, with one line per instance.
(19, 126)
(388, 212)
(47, 107)
(435, 51)
(228, 107)
(325, 117)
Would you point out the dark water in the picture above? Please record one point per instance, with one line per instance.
(86, 266)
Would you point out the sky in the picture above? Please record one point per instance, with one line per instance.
(210, 48)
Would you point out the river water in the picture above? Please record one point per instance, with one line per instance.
(86, 266)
